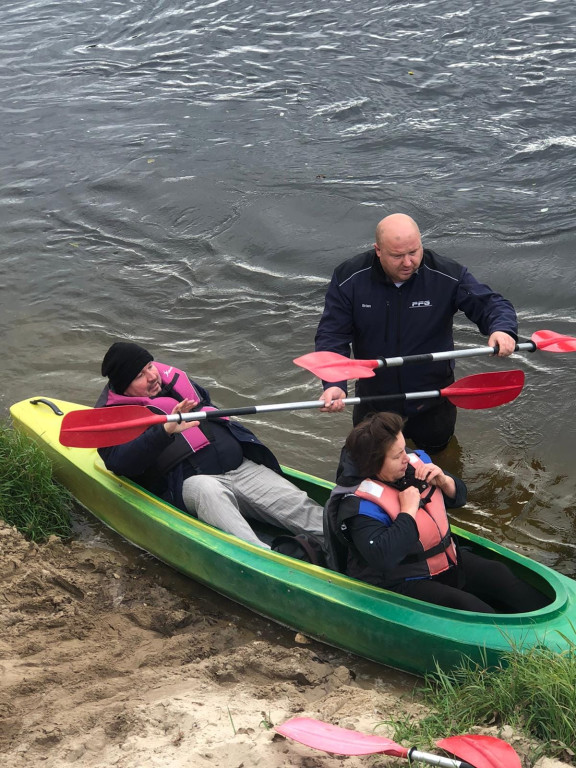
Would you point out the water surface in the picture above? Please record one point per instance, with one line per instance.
(187, 175)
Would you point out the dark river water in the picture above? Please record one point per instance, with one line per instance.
(188, 174)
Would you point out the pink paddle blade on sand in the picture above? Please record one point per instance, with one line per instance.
(338, 741)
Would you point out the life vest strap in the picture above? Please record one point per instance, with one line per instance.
(439, 549)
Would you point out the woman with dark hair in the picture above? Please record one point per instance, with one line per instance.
(388, 513)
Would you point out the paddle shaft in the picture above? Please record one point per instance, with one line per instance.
(139, 424)
(443, 762)
(297, 406)
(433, 357)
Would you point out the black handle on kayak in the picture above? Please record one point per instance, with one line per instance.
(49, 403)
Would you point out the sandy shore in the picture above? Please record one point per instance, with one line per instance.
(103, 666)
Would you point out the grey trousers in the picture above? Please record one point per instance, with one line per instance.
(251, 492)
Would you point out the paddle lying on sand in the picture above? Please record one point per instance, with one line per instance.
(475, 751)
(330, 366)
(103, 427)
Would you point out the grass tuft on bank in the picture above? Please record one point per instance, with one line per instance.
(29, 497)
(534, 692)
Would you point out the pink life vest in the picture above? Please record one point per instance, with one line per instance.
(183, 387)
(431, 519)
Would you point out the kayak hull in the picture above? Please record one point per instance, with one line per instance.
(385, 627)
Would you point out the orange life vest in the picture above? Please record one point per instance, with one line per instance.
(437, 549)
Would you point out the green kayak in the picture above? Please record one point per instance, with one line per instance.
(379, 625)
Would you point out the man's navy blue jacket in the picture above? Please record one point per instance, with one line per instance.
(365, 309)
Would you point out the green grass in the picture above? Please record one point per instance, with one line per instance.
(29, 497)
(534, 692)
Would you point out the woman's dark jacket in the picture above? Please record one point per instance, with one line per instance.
(362, 546)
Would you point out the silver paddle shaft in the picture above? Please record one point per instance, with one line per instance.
(444, 762)
(297, 406)
(432, 357)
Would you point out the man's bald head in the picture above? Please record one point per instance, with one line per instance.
(394, 228)
(398, 246)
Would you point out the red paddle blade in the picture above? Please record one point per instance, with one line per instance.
(485, 390)
(482, 751)
(101, 427)
(330, 366)
(554, 342)
(338, 741)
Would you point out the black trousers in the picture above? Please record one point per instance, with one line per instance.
(430, 430)
(477, 584)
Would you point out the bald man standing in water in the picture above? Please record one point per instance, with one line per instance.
(399, 299)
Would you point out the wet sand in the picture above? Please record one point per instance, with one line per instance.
(103, 666)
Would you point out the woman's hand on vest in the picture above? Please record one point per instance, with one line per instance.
(173, 427)
(409, 500)
(435, 476)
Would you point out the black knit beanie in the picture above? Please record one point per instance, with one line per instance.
(122, 363)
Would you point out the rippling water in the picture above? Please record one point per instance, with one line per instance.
(188, 174)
